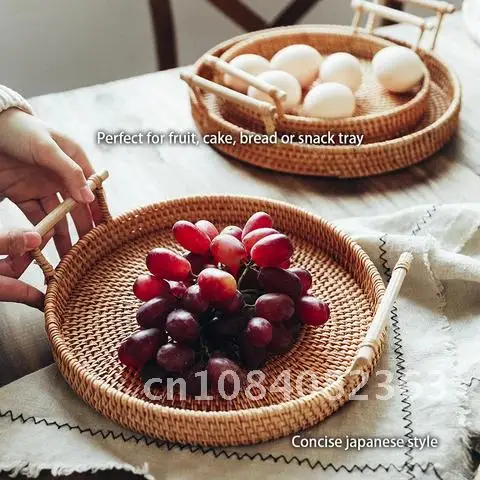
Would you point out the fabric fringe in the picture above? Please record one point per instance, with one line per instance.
(29, 470)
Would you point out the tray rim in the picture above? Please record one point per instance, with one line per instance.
(63, 355)
(346, 31)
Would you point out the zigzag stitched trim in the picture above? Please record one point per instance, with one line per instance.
(221, 453)
(398, 343)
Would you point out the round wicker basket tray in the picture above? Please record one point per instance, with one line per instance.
(434, 130)
(380, 115)
(90, 309)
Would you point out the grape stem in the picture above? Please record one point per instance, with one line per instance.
(248, 268)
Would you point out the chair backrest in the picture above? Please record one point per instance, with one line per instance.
(235, 10)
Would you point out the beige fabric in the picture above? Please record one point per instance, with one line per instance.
(11, 99)
(432, 354)
(23, 342)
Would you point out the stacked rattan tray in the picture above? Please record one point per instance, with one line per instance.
(90, 310)
(400, 130)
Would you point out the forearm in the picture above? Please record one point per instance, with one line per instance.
(11, 99)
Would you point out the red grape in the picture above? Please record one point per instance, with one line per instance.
(208, 228)
(282, 340)
(193, 382)
(254, 236)
(313, 311)
(253, 357)
(304, 277)
(147, 287)
(198, 262)
(166, 264)
(249, 280)
(271, 251)
(182, 326)
(258, 332)
(232, 230)
(151, 370)
(191, 237)
(178, 289)
(293, 324)
(275, 307)
(141, 347)
(233, 305)
(216, 367)
(277, 280)
(217, 285)
(175, 357)
(228, 251)
(229, 326)
(256, 221)
(193, 301)
(154, 312)
(286, 264)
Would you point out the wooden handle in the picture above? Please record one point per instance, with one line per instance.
(196, 83)
(442, 8)
(366, 352)
(390, 13)
(436, 5)
(49, 222)
(57, 214)
(374, 9)
(276, 94)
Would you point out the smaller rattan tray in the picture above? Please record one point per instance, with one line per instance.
(90, 309)
(380, 115)
(433, 130)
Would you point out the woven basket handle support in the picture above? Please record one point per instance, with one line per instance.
(278, 96)
(197, 83)
(371, 343)
(49, 222)
(441, 9)
(374, 9)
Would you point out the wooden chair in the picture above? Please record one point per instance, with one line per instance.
(241, 14)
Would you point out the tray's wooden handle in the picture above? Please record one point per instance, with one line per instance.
(375, 9)
(49, 222)
(436, 5)
(197, 84)
(371, 343)
(277, 95)
(440, 7)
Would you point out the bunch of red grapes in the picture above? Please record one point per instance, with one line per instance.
(227, 304)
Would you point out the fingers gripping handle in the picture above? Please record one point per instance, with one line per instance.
(49, 222)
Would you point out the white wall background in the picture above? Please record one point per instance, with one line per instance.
(53, 45)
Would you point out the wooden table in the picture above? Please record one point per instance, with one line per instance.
(158, 102)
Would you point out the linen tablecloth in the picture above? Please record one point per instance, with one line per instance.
(432, 358)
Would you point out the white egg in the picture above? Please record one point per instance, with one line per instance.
(329, 100)
(282, 80)
(342, 68)
(301, 61)
(250, 63)
(398, 69)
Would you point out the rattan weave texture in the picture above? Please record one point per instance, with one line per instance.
(90, 309)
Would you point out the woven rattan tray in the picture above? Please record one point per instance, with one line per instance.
(434, 129)
(379, 115)
(90, 309)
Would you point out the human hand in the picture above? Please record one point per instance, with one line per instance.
(36, 164)
(16, 245)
